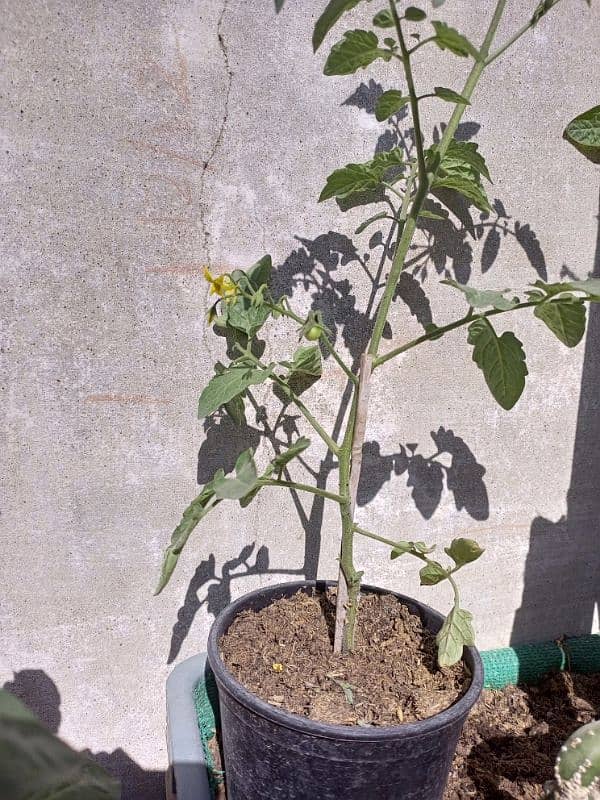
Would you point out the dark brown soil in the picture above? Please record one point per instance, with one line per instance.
(511, 739)
(283, 654)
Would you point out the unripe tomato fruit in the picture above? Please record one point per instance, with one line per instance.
(314, 333)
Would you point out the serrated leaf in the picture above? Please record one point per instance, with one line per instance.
(464, 155)
(245, 316)
(413, 14)
(234, 379)
(583, 133)
(349, 180)
(463, 551)
(501, 359)
(450, 96)
(483, 298)
(364, 225)
(383, 19)
(565, 317)
(334, 10)
(467, 187)
(198, 508)
(36, 765)
(384, 160)
(448, 38)
(432, 573)
(357, 49)
(456, 632)
(245, 479)
(389, 103)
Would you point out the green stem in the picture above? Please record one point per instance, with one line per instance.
(528, 25)
(331, 444)
(333, 352)
(423, 189)
(438, 332)
(414, 102)
(302, 487)
(421, 43)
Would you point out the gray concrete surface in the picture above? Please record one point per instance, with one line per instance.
(142, 139)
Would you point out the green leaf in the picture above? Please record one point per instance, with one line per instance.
(281, 459)
(484, 298)
(36, 765)
(583, 133)
(384, 160)
(198, 508)
(244, 315)
(590, 287)
(260, 273)
(467, 187)
(413, 14)
(450, 96)
(389, 103)
(245, 479)
(349, 180)
(306, 360)
(383, 19)
(501, 359)
(463, 551)
(432, 573)
(364, 225)
(431, 214)
(236, 409)
(448, 38)
(464, 156)
(335, 9)
(234, 379)
(357, 49)
(565, 317)
(456, 632)
(415, 548)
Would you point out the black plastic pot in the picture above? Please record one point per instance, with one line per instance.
(272, 754)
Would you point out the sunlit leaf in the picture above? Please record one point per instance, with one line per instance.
(565, 317)
(357, 49)
(448, 38)
(463, 551)
(501, 359)
(389, 103)
(450, 96)
(222, 388)
(244, 481)
(456, 632)
(583, 133)
(334, 10)
(484, 298)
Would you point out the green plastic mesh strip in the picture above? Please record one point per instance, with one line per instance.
(206, 700)
(526, 663)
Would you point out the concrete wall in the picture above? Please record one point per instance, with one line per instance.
(142, 140)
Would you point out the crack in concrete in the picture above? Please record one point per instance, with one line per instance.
(221, 131)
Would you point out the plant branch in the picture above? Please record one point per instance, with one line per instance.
(438, 332)
(421, 43)
(528, 25)
(414, 102)
(302, 487)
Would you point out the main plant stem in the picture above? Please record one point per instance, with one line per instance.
(349, 453)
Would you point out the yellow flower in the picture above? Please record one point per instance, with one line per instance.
(220, 284)
(277, 667)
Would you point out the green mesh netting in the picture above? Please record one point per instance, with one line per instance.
(526, 663)
(206, 701)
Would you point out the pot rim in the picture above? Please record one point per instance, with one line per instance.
(327, 730)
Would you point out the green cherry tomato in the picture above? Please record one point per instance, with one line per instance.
(314, 333)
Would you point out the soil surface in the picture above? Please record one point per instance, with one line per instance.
(283, 654)
(510, 741)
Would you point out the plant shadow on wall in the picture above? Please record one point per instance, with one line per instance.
(562, 573)
(315, 267)
(40, 694)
